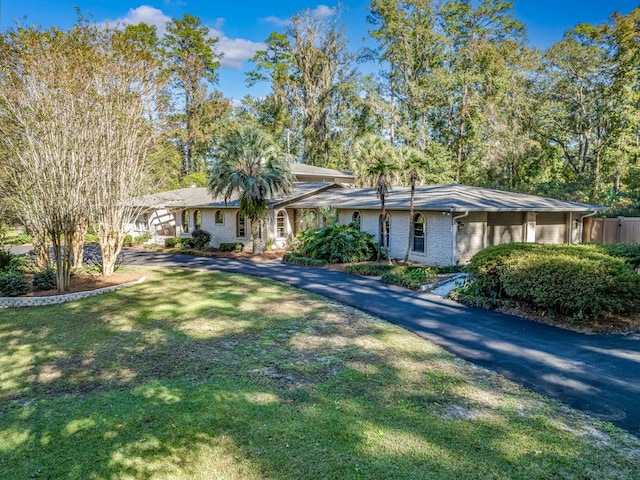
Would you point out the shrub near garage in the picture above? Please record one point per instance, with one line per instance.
(574, 280)
(571, 284)
(484, 268)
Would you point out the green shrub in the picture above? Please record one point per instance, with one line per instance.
(172, 242)
(231, 247)
(91, 239)
(629, 252)
(45, 280)
(570, 284)
(305, 261)
(572, 280)
(484, 268)
(10, 262)
(187, 243)
(336, 244)
(145, 237)
(201, 239)
(13, 284)
(412, 277)
(368, 269)
(128, 241)
(19, 239)
(6, 260)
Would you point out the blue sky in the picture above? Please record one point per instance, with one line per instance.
(242, 26)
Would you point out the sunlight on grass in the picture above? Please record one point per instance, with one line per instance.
(196, 375)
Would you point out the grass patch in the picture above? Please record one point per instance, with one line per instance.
(209, 375)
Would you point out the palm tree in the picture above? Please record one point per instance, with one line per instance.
(250, 165)
(376, 161)
(413, 162)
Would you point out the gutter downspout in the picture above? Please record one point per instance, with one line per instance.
(453, 234)
(582, 223)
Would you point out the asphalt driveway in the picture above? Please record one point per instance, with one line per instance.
(598, 374)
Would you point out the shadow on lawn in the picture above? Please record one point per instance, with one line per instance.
(149, 382)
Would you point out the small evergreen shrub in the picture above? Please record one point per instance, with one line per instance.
(304, 261)
(231, 247)
(10, 262)
(336, 244)
(6, 260)
(45, 280)
(187, 243)
(368, 269)
(172, 242)
(13, 284)
(128, 241)
(200, 238)
(145, 237)
(412, 277)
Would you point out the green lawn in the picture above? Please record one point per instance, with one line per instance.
(217, 376)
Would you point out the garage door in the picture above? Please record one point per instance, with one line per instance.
(505, 227)
(551, 227)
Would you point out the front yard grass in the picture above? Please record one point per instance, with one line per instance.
(206, 375)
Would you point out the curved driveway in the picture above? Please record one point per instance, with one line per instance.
(598, 374)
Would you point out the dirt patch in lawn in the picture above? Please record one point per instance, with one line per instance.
(86, 282)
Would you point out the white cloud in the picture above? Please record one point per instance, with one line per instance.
(277, 21)
(145, 14)
(323, 11)
(234, 50)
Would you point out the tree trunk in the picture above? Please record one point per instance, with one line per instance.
(383, 215)
(77, 245)
(256, 238)
(62, 252)
(41, 250)
(411, 209)
(110, 246)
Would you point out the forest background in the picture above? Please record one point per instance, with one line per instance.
(450, 88)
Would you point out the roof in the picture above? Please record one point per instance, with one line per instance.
(453, 198)
(200, 197)
(301, 169)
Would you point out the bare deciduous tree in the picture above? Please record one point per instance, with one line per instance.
(75, 121)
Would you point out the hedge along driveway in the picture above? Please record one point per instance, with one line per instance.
(598, 374)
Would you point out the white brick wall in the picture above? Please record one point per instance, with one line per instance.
(438, 234)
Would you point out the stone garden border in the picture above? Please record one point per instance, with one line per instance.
(14, 302)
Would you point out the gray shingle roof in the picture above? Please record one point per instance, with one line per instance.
(300, 169)
(202, 198)
(455, 198)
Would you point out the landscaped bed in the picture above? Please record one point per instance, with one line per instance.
(209, 375)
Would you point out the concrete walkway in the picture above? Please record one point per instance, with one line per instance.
(598, 374)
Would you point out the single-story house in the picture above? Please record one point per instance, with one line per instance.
(450, 223)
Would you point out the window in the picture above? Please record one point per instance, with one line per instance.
(357, 219)
(219, 217)
(418, 232)
(185, 221)
(384, 239)
(197, 219)
(281, 224)
(240, 226)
